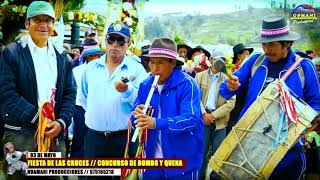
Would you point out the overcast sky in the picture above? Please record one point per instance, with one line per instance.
(156, 7)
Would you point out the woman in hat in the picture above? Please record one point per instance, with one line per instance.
(197, 51)
(176, 129)
(240, 52)
(193, 67)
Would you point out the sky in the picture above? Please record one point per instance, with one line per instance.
(199, 6)
(158, 7)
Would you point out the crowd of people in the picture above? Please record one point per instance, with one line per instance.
(96, 93)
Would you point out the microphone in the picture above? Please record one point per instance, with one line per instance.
(127, 79)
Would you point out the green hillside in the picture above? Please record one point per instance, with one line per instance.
(230, 28)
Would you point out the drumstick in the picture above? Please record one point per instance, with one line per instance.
(146, 105)
(220, 66)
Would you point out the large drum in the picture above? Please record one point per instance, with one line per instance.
(249, 151)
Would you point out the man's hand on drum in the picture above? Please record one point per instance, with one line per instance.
(208, 119)
(233, 83)
(143, 121)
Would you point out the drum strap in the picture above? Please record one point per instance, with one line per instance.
(292, 67)
(260, 59)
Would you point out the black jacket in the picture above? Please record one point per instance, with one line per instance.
(19, 92)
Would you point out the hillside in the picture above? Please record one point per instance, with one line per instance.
(230, 28)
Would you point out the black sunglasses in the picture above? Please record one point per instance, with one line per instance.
(120, 40)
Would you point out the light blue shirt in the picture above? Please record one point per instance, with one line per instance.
(212, 99)
(106, 108)
(77, 73)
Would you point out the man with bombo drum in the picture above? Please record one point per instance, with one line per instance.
(277, 39)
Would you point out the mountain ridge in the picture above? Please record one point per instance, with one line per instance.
(230, 28)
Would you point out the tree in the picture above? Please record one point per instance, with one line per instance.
(294, 5)
(13, 12)
(250, 8)
(153, 29)
(273, 4)
(74, 5)
(178, 39)
(231, 41)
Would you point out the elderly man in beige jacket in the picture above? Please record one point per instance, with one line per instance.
(215, 110)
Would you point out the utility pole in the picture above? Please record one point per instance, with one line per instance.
(75, 33)
(273, 4)
(285, 6)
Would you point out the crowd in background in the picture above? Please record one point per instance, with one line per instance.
(97, 92)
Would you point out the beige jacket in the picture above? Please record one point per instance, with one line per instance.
(224, 107)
